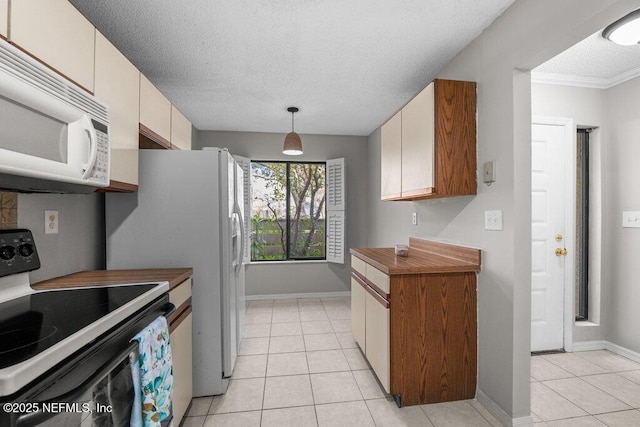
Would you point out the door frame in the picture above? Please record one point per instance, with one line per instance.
(570, 152)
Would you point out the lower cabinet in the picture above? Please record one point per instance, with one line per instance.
(180, 336)
(358, 308)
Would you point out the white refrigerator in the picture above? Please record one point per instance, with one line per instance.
(189, 212)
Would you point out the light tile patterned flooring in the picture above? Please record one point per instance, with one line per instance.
(299, 366)
(591, 388)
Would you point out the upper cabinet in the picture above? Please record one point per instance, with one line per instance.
(4, 18)
(117, 83)
(180, 130)
(428, 149)
(57, 34)
(155, 115)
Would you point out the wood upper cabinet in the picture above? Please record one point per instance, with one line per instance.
(391, 154)
(180, 130)
(4, 18)
(57, 34)
(433, 154)
(155, 114)
(117, 83)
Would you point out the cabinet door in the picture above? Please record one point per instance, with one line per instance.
(118, 85)
(180, 130)
(377, 339)
(181, 350)
(358, 308)
(418, 136)
(57, 34)
(391, 158)
(155, 110)
(4, 18)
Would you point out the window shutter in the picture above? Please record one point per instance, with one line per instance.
(336, 204)
(245, 165)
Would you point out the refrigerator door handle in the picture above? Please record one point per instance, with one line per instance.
(242, 237)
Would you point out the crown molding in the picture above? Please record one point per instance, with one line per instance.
(580, 81)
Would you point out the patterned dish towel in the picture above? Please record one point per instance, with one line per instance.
(151, 369)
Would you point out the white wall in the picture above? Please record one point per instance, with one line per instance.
(587, 107)
(622, 316)
(529, 33)
(301, 277)
(80, 242)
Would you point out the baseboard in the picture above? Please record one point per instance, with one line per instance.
(300, 295)
(622, 351)
(499, 414)
(589, 345)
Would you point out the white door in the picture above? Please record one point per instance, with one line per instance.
(548, 164)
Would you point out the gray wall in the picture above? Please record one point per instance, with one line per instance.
(79, 244)
(622, 316)
(529, 33)
(301, 277)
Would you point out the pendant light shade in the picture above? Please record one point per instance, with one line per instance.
(292, 142)
(625, 31)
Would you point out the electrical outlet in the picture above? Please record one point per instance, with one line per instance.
(631, 219)
(50, 222)
(493, 220)
(414, 218)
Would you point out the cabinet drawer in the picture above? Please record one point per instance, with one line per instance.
(358, 265)
(378, 278)
(181, 293)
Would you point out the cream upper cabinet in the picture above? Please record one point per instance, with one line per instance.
(180, 130)
(418, 142)
(391, 154)
(155, 110)
(58, 35)
(4, 18)
(118, 85)
(430, 151)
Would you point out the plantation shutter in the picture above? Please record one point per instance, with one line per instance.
(336, 204)
(245, 165)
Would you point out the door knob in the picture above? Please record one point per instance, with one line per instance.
(561, 252)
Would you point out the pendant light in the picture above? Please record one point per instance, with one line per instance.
(292, 142)
(625, 31)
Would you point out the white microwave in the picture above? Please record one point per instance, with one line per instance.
(54, 136)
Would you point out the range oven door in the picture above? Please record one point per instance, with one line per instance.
(93, 387)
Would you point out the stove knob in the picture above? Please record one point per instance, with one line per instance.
(26, 249)
(7, 253)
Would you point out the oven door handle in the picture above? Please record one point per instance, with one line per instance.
(40, 416)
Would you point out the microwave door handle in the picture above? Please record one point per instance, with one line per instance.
(93, 150)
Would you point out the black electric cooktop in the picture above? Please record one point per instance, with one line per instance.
(35, 322)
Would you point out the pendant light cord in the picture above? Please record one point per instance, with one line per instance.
(292, 113)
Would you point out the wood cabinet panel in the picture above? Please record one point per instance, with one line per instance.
(377, 340)
(391, 155)
(117, 83)
(57, 34)
(180, 130)
(418, 139)
(155, 110)
(4, 18)
(358, 307)
(181, 350)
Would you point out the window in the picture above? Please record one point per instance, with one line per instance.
(288, 210)
(582, 226)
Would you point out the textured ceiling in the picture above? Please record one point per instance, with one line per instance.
(594, 60)
(238, 64)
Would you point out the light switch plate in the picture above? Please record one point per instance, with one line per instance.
(489, 172)
(414, 218)
(493, 220)
(50, 222)
(631, 219)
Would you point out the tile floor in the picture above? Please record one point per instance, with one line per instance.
(591, 388)
(299, 366)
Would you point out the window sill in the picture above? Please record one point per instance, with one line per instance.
(586, 323)
(311, 261)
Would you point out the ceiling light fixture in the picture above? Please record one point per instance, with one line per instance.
(292, 142)
(625, 31)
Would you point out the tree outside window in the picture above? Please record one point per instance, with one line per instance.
(287, 211)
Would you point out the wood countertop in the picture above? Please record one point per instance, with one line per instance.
(174, 276)
(425, 256)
